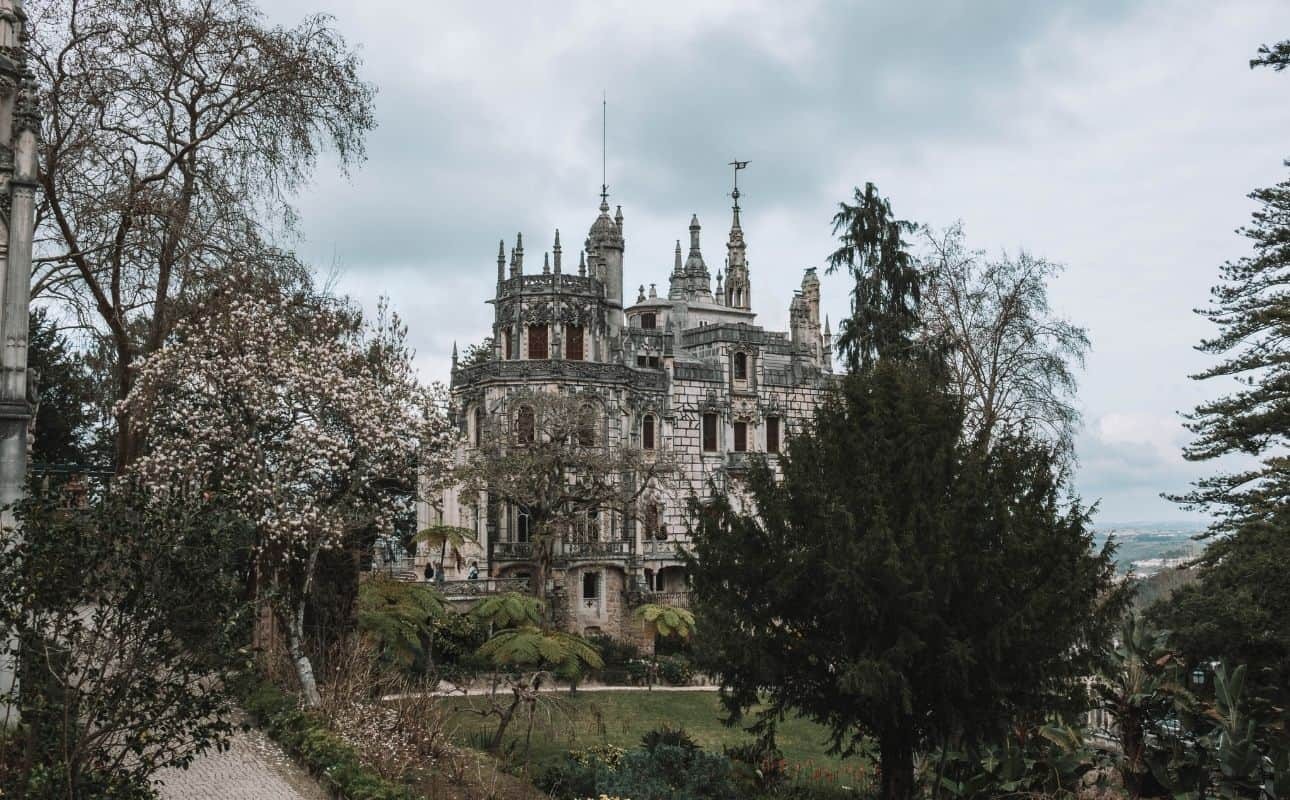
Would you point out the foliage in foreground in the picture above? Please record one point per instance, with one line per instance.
(129, 624)
(305, 736)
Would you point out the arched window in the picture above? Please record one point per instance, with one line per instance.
(524, 425)
(523, 524)
(741, 366)
(709, 433)
(478, 432)
(647, 432)
(587, 426)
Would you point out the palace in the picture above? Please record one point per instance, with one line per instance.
(689, 375)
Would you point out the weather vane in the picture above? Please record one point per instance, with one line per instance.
(738, 165)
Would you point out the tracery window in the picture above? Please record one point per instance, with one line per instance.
(538, 346)
(573, 349)
(587, 426)
(648, 321)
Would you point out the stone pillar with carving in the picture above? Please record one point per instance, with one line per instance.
(19, 131)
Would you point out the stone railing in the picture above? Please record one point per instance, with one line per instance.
(613, 548)
(556, 368)
(482, 587)
(678, 599)
(512, 551)
(543, 282)
(656, 550)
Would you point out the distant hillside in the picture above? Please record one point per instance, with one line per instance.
(1147, 547)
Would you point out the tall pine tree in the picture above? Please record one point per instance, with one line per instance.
(1240, 609)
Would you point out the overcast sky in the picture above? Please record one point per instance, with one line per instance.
(1118, 138)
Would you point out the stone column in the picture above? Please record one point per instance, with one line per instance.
(19, 127)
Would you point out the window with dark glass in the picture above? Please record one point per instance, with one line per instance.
(741, 366)
(573, 342)
(772, 434)
(506, 344)
(741, 437)
(523, 525)
(524, 425)
(538, 347)
(591, 586)
(648, 321)
(647, 432)
(709, 432)
(587, 426)
(479, 425)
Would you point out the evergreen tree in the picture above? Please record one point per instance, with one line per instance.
(900, 583)
(884, 302)
(64, 393)
(1238, 610)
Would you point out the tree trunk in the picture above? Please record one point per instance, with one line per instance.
(295, 646)
(496, 744)
(896, 763)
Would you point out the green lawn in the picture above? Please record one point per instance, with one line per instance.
(568, 722)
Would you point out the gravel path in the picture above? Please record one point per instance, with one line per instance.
(253, 768)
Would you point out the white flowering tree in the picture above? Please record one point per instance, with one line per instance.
(303, 418)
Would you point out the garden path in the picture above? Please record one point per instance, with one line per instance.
(253, 768)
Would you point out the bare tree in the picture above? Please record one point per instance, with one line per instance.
(1010, 357)
(549, 454)
(174, 129)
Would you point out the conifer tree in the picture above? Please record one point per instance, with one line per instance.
(901, 580)
(1238, 611)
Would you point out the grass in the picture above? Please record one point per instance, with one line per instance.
(567, 722)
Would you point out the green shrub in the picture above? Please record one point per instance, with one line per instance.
(759, 764)
(669, 772)
(676, 670)
(668, 736)
(614, 652)
(323, 753)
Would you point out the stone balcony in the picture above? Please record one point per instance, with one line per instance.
(565, 552)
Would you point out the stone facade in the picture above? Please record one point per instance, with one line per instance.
(690, 378)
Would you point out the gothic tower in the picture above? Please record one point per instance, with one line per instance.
(738, 292)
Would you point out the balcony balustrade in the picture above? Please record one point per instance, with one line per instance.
(482, 587)
(678, 599)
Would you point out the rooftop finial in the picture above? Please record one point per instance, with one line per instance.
(546, 263)
(556, 249)
(582, 263)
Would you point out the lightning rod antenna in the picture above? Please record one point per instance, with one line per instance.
(604, 144)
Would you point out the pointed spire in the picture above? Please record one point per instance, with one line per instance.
(519, 254)
(618, 219)
(454, 353)
(556, 250)
(501, 260)
(582, 263)
(677, 266)
(546, 263)
(827, 332)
